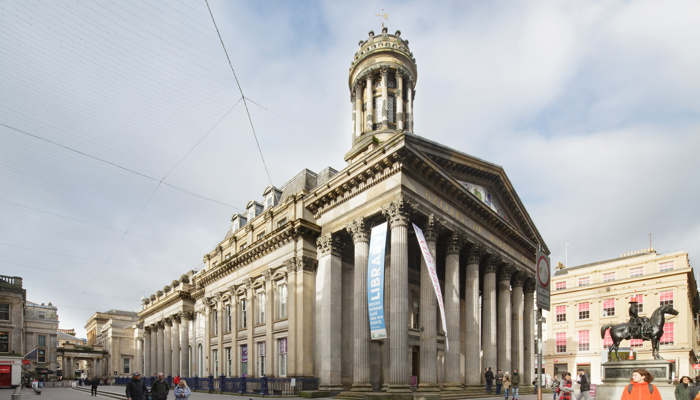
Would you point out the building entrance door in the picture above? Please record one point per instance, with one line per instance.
(560, 370)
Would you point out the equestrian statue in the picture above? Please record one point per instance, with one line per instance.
(638, 328)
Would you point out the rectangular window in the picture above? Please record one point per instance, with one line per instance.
(608, 277)
(282, 222)
(609, 308)
(585, 281)
(261, 308)
(584, 340)
(227, 256)
(215, 322)
(607, 340)
(561, 313)
(4, 342)
(243, 246)
(215, 360)
(42, 315)
(41, 341)
(640, 302)
(261, 359)
(415, 315)
(4, 312)
(666, 266)
(42, 356)
(269, 202)
(214, 264)
(244, 360)
(584, 310)
(261, 235)
(667, 337)
(242, 318)
(229, 319)
(636, 342)
(282, 362)
(560, 285)
(561, 342)
(636, 271)
(282, 301)
(228, 362)
(127, 366)
(666, 298)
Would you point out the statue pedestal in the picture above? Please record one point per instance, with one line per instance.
(618, 374)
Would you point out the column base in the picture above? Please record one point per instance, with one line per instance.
(398, 388)
(452, 387)
(428, 387)
(361, 387)
(332, 389)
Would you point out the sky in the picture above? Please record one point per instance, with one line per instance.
(125, 146)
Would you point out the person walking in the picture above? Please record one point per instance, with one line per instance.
(683, 389)
(160, 388)
(181, 390)
(515, 383)
(640, 387)
(506, 384)
(555, 387)
(136, 388)
(499, 381)
(585, 384)
(489, 379)
(94, 382)
(566, 387)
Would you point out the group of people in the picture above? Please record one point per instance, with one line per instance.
(510, 383)
(640, 387)
(136, 388)
(564, 389)
(685, 389)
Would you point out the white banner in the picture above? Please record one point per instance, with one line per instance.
(430, 264)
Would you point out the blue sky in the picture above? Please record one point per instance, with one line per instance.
(125, 148)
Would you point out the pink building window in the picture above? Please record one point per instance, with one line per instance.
(560, 285)
(561, 342)
(640, 302)
(666, 298)
(666, 266)
(636, 271)
(609, 308)
(585, 281)
(636, 342)
(561, 313)
(607, 277)
(667, 338)
(584, 340)
(607, 340)
(584, 310)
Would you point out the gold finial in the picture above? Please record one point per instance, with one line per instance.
(382, 16)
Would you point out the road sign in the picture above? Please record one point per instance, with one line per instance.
(543, 281)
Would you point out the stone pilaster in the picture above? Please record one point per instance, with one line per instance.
(472, 368)
(361, 369)
(528, 329)
(397, 213)
(329, 312)
(488, 315)
(167, 350)
(146, 370)
(504, 317)
(452, 296)
(175, 345)
(428, 379)
(517, 360)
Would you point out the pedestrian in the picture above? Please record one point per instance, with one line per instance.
(181, 390)
(534, 383)
(683, 389)
(566, 387)
(489, 379)
(176, 380)
(695, 390)
(136, 388)
(555, 387)
(94, 382)
(499, 381)
(506, 384)
(585, 384)
(515, 383)
(160, 388)
(640, 387)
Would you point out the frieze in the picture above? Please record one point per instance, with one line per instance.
(358, 230)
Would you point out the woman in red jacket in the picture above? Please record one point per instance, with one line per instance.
(641, 387)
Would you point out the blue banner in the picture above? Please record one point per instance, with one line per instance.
(375, 282)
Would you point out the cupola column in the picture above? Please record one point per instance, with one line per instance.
(409, 106)
(399, 100)
(357, 113)
(370, 103)
(383, 114)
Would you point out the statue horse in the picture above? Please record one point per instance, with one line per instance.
(652, 329)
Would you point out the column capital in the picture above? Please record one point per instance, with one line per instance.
(147, 329)
(529, 285)
(518, 279)
(267, 275)
(329, 244)
(455, 243)
(505, 272)
(399, 74)
(475, 254)
(358, 230)
(290, 265)
(307, 264)
(492, 264)
(433, 228)
(186, 315)
(161, 324)
(384, 70)
(176, 318)
(398, 212)
(168, 321)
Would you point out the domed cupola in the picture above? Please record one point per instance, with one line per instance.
(382, 81)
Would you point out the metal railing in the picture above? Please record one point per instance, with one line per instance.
(243, 385)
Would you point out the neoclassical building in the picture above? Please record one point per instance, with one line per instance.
(284, 293)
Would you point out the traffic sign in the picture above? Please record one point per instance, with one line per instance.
(543, 280)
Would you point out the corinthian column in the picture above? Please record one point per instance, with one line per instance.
(138, 362)
(160, 356)
(154, 349)
(428, 313)
(175, 345)
(528, 329)
(357, 112)
(488, 315)
(167, 351)
(329, 309)
(384, 112)
(472, 368)
(147, 351)
(360, 368)
(370, 103)
(517, 321)
(186, 317)
(397, 213)
(399, 100)
(504, 316)
(452, 372)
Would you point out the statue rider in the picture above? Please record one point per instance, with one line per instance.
(635, 323)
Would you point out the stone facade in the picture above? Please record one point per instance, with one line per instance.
(40, 331)
(284, 294)
(113, 332)
(12, 301)
(586, 297)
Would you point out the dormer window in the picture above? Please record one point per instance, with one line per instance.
(238, 221)
(272, 196)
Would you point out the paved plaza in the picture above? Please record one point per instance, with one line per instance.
(73, 394)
